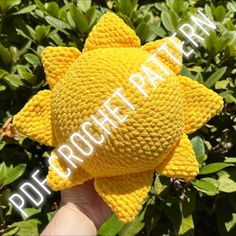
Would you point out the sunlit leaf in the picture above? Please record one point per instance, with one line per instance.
(199, 148)
(213, 167)
(26, 10)
(205, 186)
(215, 77)
(110, 227)
(84, 5)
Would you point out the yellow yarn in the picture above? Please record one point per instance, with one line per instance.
(138, 144)
(152, 138)
(36, 121)
(129, 194)
(181, 161)
(55, 70)
(78, 176)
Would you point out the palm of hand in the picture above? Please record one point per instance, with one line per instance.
(86, 199)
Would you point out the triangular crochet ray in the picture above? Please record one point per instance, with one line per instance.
(200, 104)
(181, 161)
(56, 182)
(125, 194)
(35, 121)
(162, 56)
(56, 62)
(111, 32)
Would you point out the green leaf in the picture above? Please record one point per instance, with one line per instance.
(220, 13)
(56, 38)
(186, 72)
(228, 96)
(84, 5)
(30, 212)
(52, 9)
(178, 5)
(231, 6)
(186, 227)
(174, 19)
(3, 172)
(4, 196)
(226, 184)
(2, 88)
(230, 37)
(161, 7)
(208, 11)
(5, 55)
(111, 227)
(15, 172)
(145, 32)
(226, 218)
(127, 20)
(172, 210)
(32, 59)
(28, 227)
(215, 77)
(41, 31)
(58, 24)
(91, 16)
(159, 31)
(221, 84)
(212, 180)
(25, 74)
(10, 231)
(25, 10)
(8, 4)
(134, 227)
(51, 214)
(3, 73)
(40, 5)
(187, 207)
(230, 160)
(166, 21)
(10, 174)
(79, 19)
(212, 168)
(14, 81)
(188, 203)
(127, 6)
(205, 186)
(199, 149)
(161, 185)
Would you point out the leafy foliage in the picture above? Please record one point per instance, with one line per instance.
(205, 206)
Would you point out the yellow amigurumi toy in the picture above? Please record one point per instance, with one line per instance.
(154, 136)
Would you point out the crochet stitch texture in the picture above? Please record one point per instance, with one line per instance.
(153, 138)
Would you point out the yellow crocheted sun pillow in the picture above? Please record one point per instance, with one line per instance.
(153, 138)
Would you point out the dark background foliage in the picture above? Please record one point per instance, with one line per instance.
(205, 206)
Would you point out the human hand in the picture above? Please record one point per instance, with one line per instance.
(82, 211)
(86, 199)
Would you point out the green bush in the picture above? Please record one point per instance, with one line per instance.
(205, 206)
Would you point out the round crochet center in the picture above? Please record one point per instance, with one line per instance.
(145, 137)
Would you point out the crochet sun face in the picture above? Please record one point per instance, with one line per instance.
(152, 138)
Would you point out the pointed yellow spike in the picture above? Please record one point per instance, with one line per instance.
(162, 56)
(200, 104)
(35, 121)
(111, 32)
(56, 62)
(181, 161)
(56, 182)
(125, 194)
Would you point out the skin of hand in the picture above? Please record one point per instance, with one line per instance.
(82, 211)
